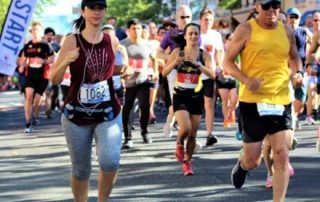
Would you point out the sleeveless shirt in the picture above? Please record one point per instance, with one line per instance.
(266, 57)
(94, 65)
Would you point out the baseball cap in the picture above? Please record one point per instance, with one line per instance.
(107, 27)
(293, 11)
(268, 1)
(93, 2)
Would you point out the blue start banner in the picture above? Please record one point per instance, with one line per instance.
(13, 33)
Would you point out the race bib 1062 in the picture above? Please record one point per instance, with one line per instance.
(95, 93)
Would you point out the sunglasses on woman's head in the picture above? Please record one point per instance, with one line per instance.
(273, 4)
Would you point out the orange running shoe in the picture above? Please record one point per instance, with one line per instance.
(226, 123)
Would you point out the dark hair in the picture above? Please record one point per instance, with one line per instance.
(134, 21)
(144, 27)
(49, 30)
(112, 18)
(161, 28)
(284, 13)
(189, 25)
(79, 23)
(179, 39)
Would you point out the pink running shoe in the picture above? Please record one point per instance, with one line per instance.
(187, 168)
(179, 152)
(290, 170)
(269, 181)
(310, 120)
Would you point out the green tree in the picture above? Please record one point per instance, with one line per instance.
(3, 11)
(230, 4)
(40, 7)
(144, 10)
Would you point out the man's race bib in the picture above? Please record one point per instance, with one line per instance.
(136, 64)
(35, 62)
(95, 93)
(185, 80)
(270, 109)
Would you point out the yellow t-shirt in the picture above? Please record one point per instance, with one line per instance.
(266, 57)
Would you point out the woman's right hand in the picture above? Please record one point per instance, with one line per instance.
(72, 55)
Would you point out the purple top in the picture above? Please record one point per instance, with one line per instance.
(168, 42)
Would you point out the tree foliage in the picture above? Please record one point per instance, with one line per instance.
(3, 11)
(144, 10)
(40, 7)
(229, 4)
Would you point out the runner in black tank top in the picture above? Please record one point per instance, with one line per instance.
(189, 62)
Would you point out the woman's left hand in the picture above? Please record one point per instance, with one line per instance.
(190, 59)
(126, 71)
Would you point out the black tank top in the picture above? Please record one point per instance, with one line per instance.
(188, 81)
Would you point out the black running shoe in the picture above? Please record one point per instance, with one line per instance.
(146, 138)
(238, 176)
(49, 114)
(128, 144)
(294, 144)
(211, 140)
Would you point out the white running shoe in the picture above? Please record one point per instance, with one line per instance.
(198, 147)
(167, 130)
(28, 129)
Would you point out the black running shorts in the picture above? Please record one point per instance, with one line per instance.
(191, 103)
(255, 127)
(209, 87)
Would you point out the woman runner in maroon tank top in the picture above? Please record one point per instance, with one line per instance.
(91, 108)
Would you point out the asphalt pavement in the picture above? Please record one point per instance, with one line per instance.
(36, 167)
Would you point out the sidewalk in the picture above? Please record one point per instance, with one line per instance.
(36, 167)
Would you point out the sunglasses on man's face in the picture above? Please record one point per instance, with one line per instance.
(273, 4)
(185, 17)
(294, 17)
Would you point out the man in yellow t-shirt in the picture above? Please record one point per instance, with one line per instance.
(266, 46)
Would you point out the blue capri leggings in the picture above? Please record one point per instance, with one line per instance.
(79, 139)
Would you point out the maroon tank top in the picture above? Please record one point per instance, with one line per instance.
(91, 90)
